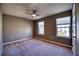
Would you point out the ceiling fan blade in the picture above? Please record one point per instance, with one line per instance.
(29, 12)
(37, 14)
(33, 12)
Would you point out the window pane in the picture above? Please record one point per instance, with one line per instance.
(67, 34)
(41, 27)
(63, 27)
(63, 20)
(58, 33)
(41, 24)
(59, 29)
(67, 29)
(62, 31)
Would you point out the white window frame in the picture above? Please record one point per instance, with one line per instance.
(41, 27)
(63, 27)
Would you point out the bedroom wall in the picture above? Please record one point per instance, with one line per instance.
(0, 31)
(15, 28)
(50, 28)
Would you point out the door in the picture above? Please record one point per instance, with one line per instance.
(73, 30)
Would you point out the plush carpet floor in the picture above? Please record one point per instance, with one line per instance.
(34, 47)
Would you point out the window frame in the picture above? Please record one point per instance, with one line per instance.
(39, 28)
(63, 27)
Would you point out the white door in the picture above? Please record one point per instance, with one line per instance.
(73, 30)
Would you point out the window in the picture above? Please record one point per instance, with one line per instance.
(63, 27)
(41, 27)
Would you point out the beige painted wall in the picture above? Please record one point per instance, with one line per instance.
(15, 28)
(0, 32)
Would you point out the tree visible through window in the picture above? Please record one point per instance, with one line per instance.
(41, 27)
(63, 26)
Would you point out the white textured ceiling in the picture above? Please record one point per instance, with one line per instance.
(45, 9)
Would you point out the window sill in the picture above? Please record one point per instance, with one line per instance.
(63, 37)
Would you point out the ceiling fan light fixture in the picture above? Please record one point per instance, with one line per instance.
(33, 15)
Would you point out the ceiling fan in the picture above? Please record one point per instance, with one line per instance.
(33, 13)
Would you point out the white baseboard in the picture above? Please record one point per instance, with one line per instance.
(56, 43)
(38, 38)
(16, 41)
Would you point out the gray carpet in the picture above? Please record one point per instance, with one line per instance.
(34, 47)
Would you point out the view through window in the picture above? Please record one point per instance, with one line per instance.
(63, 26)
(41, 27)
